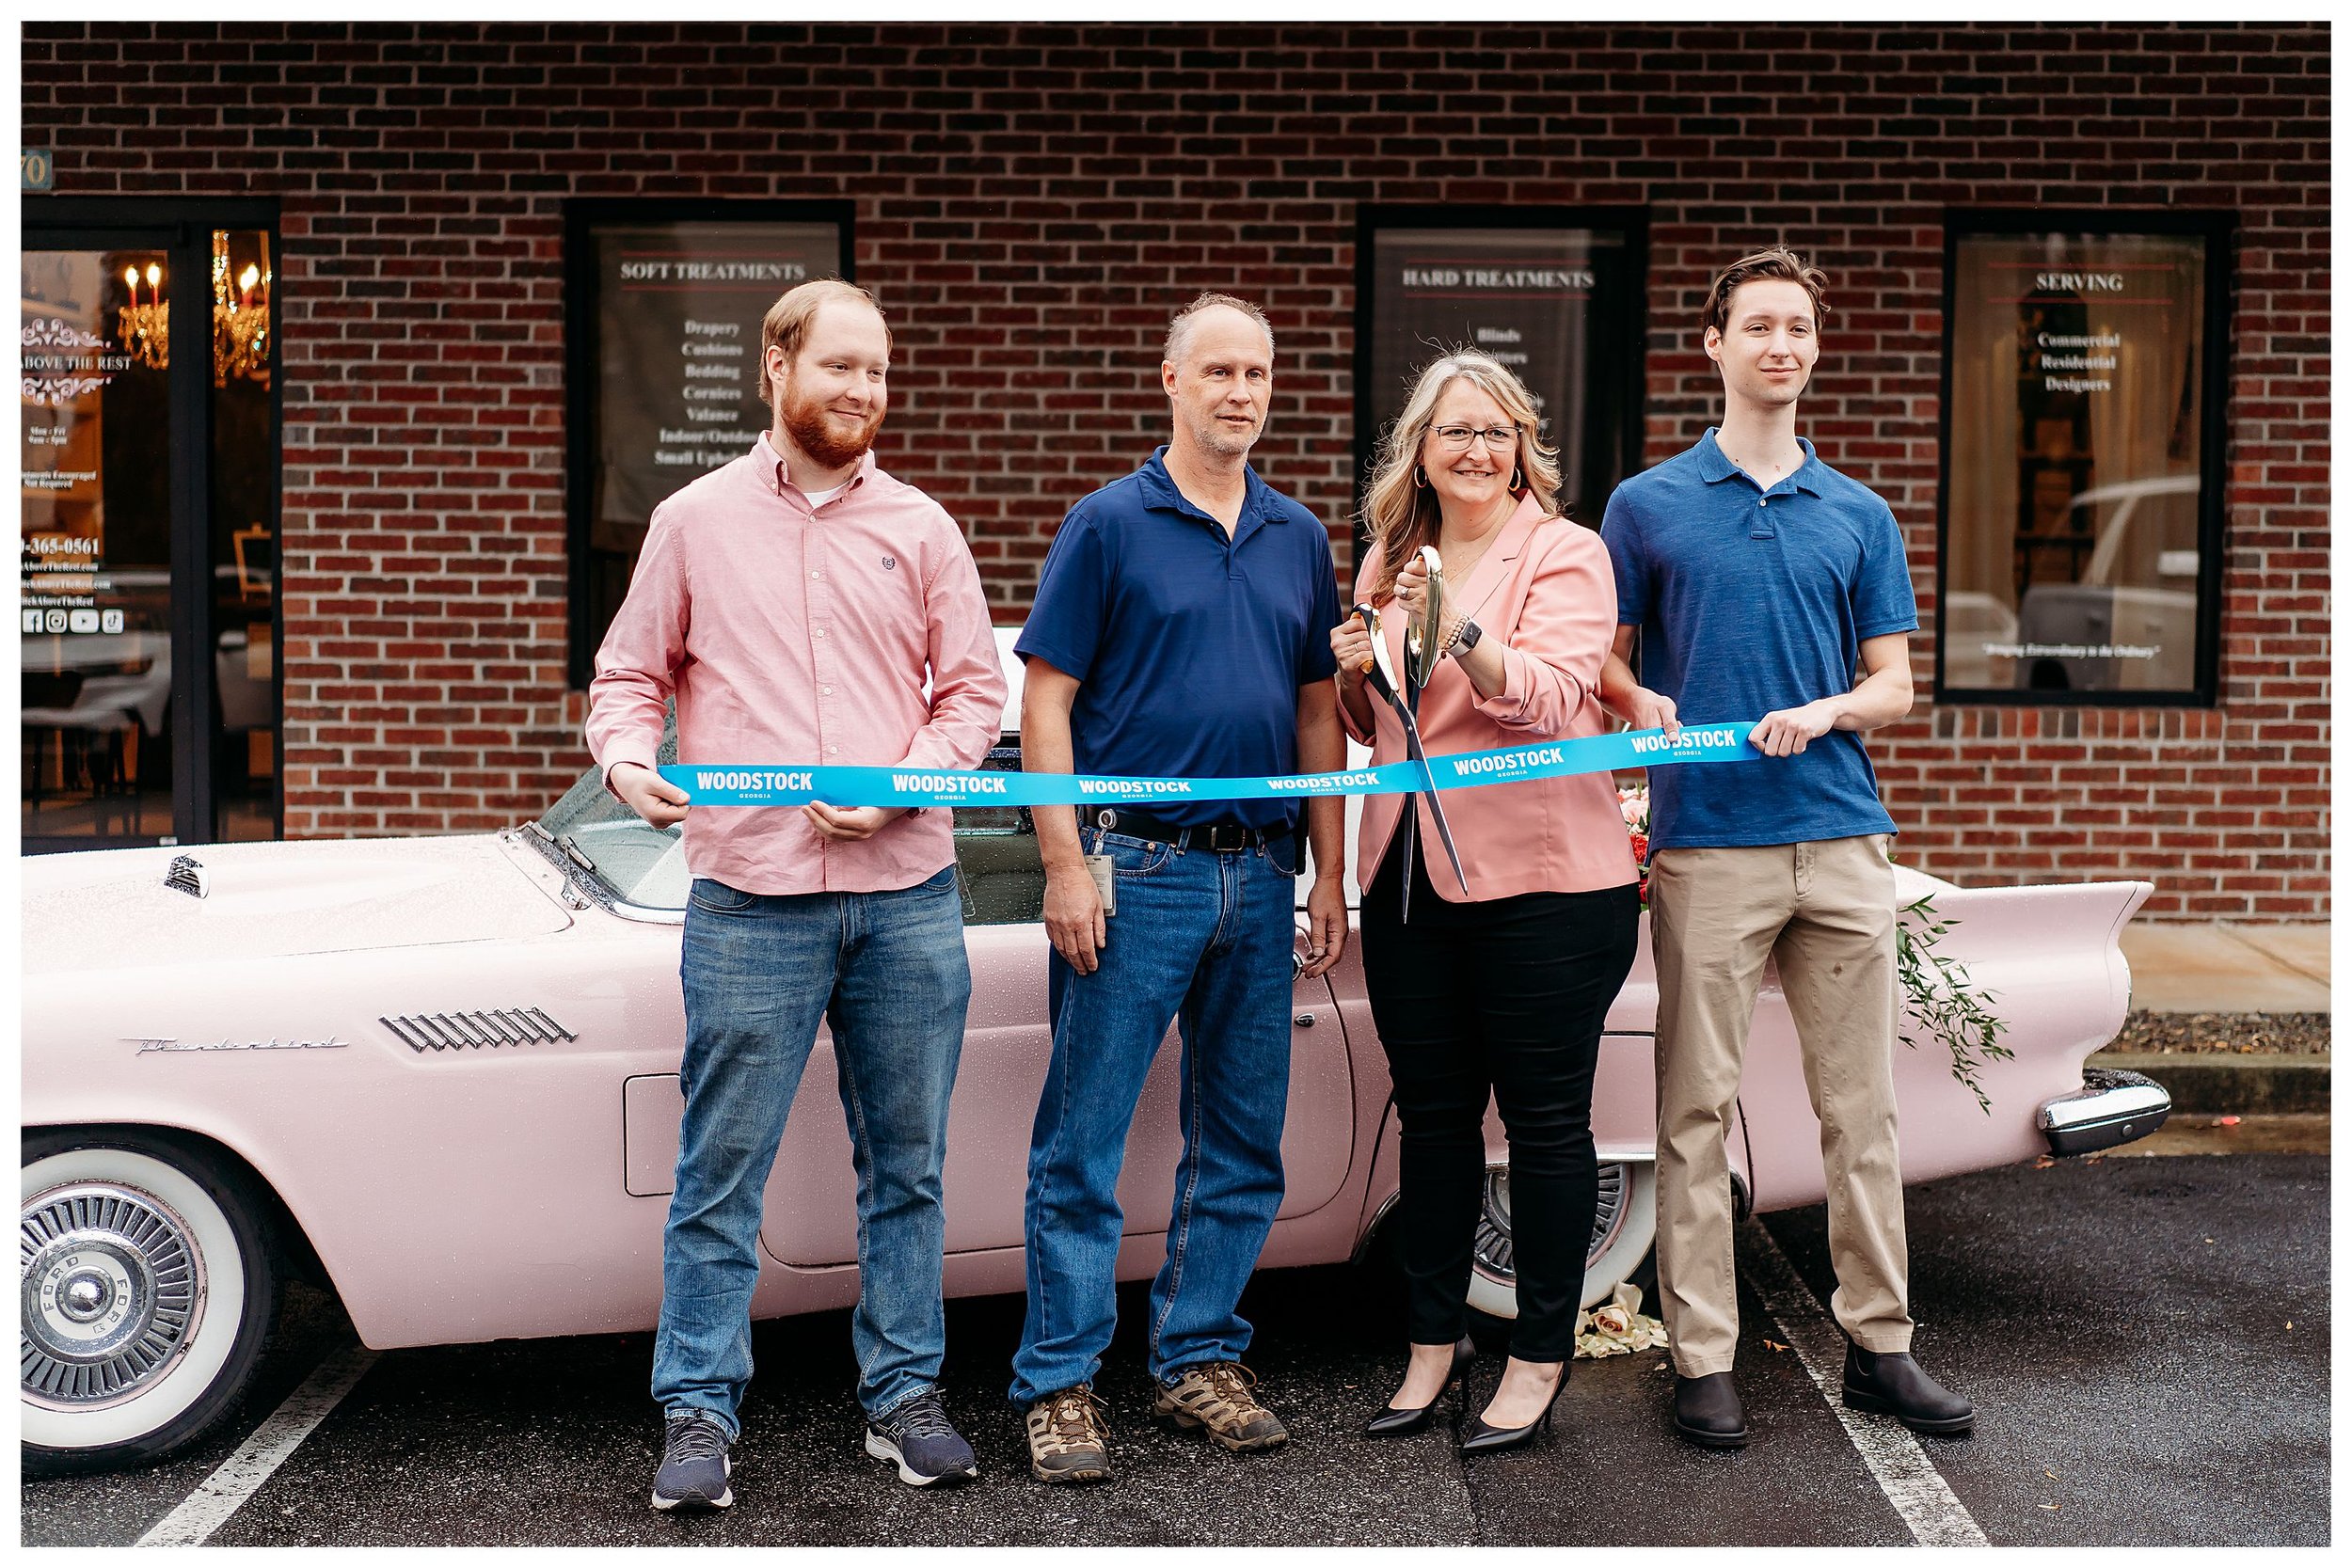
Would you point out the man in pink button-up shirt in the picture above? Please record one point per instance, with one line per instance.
(800, 606)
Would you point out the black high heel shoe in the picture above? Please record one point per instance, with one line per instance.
(1481, 1438)
(1395, 1422)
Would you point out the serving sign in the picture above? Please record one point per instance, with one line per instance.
(2080, 487)
(671, 366)
(1560, 306)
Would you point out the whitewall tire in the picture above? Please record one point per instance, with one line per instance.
(1624, 1227)
(148, 1290)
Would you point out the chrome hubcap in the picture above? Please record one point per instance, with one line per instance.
(1492, 1250)
(113, 1290)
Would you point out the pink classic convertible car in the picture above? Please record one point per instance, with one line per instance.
(440, 1075)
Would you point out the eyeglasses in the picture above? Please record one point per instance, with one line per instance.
(1456, 438)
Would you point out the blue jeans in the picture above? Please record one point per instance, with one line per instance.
(1205, 939)
(887, 971)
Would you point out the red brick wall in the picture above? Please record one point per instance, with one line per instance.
(1032, 200)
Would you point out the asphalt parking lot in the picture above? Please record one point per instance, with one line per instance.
(2123, 1324)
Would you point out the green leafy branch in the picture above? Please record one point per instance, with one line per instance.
(1943, 999)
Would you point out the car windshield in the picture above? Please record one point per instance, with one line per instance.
(645, 866)
(640, 863)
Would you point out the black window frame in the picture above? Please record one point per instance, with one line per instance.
(2219, 230)
(582, 216)
(1632, 221)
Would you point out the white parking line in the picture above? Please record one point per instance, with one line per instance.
(1913, 1486)
(242, 1473)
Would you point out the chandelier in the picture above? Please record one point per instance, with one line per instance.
(241, 335)
(146, 330)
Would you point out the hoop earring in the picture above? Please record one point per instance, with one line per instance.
(1420, 480)
(1517, 481)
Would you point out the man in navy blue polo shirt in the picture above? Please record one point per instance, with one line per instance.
(1759, 579)
(1181, 630)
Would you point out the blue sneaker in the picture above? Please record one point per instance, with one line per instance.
(917, 1435)
(694, 1463)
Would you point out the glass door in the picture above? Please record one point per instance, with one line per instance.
(148, 567)
(99, 722)
(240, 539)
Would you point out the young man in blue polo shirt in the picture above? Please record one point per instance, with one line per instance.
(1758, 579)
(1181, 629)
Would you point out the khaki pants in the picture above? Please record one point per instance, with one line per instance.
(1825, 913)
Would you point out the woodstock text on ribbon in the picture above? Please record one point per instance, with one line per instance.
(733, 784)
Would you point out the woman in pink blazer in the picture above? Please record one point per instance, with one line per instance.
(1501, 993)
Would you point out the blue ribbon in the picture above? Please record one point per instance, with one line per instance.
(729, 784)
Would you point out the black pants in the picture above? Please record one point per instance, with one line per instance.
(1508, 997)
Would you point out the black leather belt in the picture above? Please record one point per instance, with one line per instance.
(1225, 838)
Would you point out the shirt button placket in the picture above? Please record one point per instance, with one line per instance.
(820, 649)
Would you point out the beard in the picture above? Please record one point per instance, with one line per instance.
(1217, 436)
(819, 436)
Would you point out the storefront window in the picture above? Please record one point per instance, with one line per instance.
(140, 537)
(665, 305)
(2081, 498)
(1555, 296)
(98, 723)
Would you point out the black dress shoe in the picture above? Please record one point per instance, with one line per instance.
(1894, 1385)
(1394, 1422)
(1707, 1413)
(1481, 1438)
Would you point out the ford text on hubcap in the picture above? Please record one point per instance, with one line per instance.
(113, 1295)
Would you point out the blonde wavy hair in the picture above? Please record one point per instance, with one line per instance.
(1400, 510)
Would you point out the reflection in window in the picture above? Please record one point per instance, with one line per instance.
(2077, 468)
(243, 539)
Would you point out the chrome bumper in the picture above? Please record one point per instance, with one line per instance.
(2112, 1107)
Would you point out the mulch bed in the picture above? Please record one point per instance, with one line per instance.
(2224, 1033)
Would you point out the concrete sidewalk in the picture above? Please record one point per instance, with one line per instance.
(2230, 1018)
(2225, 967)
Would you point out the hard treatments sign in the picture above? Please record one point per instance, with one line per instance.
(1557, 305)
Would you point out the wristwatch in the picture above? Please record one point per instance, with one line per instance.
(1466, 636)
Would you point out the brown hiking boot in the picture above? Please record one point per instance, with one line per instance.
(1069, 1440)
(1214, 1396)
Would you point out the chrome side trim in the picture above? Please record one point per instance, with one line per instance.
(643, 914)
(422, 1032)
